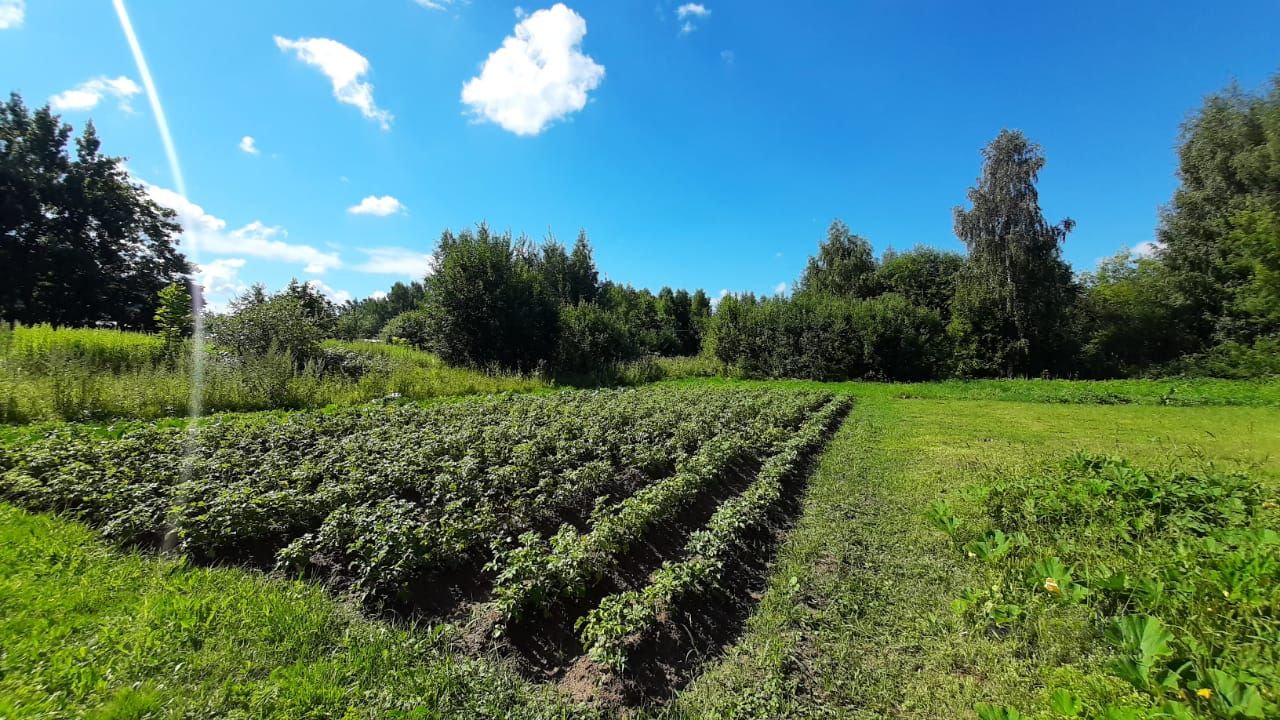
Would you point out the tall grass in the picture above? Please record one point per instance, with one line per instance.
(91, 375)
(44, 348)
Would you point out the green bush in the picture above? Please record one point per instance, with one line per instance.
(279, 324)
(822, 337)
(411, 327)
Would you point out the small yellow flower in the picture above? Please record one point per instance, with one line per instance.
(1051, 585)
(972, 554)
(1205, 693)
(1269, 505)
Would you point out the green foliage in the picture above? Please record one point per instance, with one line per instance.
(83, 243)
(941, 517)
(367, 319)
(925, 276)
(1142, 641)
(827, 338)
(843, 267)
(412, 327)
(335, 494)
(291, 323)
(81, 374)
(487, 304)
(1124, 316)
(1012, 299)
(1220, 231)
(157, 637)
(1180, 567)
(607, 630)
(173, 315)
(592, 338)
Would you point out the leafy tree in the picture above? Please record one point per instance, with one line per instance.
(260, 324)
(317, 307)
(1011, 307)
(173, 314)
(844, 266)
(412, 327)
(1219, 233)
(925, 276)
(366, 318)
(80, 243)
(1124, 317)
(584, 279)
(486, 303)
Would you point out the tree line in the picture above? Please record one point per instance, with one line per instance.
(83, 245)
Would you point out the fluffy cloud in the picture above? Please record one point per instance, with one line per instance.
(689, 14)
(11, 13)
(780, 288)
(248, 145)
(255, 239)
(539, 75)
(397, 261)
(345, 68)
(379, 206)
(89, 93)
(338, 296)
(221, 282)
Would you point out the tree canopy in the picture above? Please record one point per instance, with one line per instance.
(80, 242)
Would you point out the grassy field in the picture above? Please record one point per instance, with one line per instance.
(855, 618)
(88, 375)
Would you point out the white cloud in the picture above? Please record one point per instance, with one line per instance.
(379, 206)
(397, 261)
(344, 67)
(338, 296)
(247, 144)
(435, 4)
(221, 282)
(12, 13)
(377, 294)
(539, 75)
(520, 12)
(689, 14)
(89, 93)
(780, 288)
(255, 239)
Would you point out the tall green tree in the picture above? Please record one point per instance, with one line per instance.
(584, 279)
(1010, 314)
(844, 266)
(486, 304)
(80, 243)
(1219, 232)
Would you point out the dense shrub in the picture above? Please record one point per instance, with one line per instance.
(279, 324)
(411, 327)
(591, 338)
(827, 338)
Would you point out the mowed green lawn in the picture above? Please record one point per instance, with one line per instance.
(855, 622)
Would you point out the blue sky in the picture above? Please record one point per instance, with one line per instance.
(708, 147)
